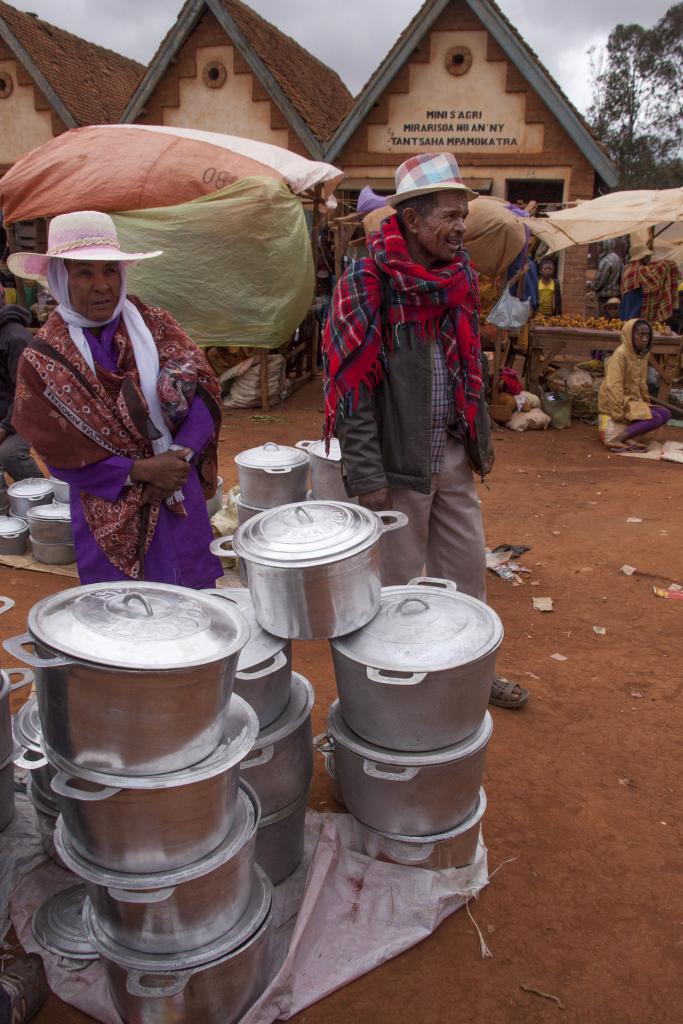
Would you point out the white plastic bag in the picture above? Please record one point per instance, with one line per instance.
(509, 313)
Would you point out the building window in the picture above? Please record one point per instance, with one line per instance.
(458, 60)
(6, 85)
(214, 74)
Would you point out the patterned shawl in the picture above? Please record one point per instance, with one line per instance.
(74, 418)
(659, 282)
(442, 304)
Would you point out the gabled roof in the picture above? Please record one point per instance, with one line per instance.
(515, 49)
(310, 95)
(84, 83)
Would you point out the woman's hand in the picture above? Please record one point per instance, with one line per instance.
(166, 472)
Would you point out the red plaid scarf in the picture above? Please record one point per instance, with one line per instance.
(441, 304)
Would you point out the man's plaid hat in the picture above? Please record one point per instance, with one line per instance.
(427, 173)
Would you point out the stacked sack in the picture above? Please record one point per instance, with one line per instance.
(144, 740)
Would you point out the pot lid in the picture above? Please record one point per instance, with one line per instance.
(242, 829)
(307, 533)
(426, 626)
(26, 726)
(345, 737)
(31, 487)
(317, 448)
(261, 646)
(240, 731)
(301, 697)
(127, 625)
(12, 526)
(58, 925)
(203, 957)
(271, 456)
(57, 511)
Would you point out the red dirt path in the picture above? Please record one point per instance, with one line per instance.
(583, 785)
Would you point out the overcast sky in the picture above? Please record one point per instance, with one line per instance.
(353, 36)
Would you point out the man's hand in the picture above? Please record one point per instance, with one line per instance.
(376, 501)
(167, 472)
(4, 434)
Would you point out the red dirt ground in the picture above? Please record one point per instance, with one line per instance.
(583, 785)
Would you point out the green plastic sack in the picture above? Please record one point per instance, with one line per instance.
(237, 267)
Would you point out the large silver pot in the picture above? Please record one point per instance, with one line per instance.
(132, 678)
(327, 478)
(61, 490)
(174, 911)
(7, 742)
(30, 753)
(280, 840)
(215, 504)
(313, 569)
(6, 791)
(53, 554)
(50, 524)
(29, 493)
(272, 475)
(408, 794)
(280, 765)
(46, 819)
(264, 669)
(153, 823)
(214, 984)
(13, 535)
(454, 849)
(419, 675)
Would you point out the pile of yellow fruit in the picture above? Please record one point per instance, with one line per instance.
(590, 323)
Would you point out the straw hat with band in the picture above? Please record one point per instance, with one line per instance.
(428, 172)
(639, 252)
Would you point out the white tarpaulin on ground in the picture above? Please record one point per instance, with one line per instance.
(618, 213)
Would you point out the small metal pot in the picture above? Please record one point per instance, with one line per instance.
(46, 818)
(264, 671)
(327, 478)
(313, 568)
(50, 525)
(454, 849)
(408, 794)
(280, 841)
(156, 823)
(27, 494)
(272, 475)
(13, 535)
(7, 742)
(280, 765)
(215, 504)
(214, 984)
(244, 511)
(53, 554)
(6, 792)
(174, 911)
(30, 755)
(61, 490)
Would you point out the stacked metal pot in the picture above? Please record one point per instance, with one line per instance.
(50, 531)
(407, 739)
(327, 479)
(143, 740)
(8, 748)
(270, 475)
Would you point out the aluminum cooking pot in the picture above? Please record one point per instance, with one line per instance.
(280, 840)
(408, 794)
(153, 823)
(46, 819)
(327, 479)
(213, 984)
(419, 675)
(272, 475)
(6, 791)
(61, 490)
(7, 742)
(215, 504)
(132, 678)
(13, 535)
(50, 524)
(313, 569)
(30, 754)
(174, 911)
(264, 669)
(454, 849)
(27, 494)
(280, 765)
(245, 511)
(53, 554)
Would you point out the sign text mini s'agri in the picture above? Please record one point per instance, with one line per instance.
(453, 129)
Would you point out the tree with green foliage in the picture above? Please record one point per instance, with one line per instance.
(637, 106)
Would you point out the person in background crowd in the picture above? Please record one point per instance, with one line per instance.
(15, 454)
(549, 301)
(404, 386)
(607, 281)
(124, 408)
(649, 290)
(624, 405)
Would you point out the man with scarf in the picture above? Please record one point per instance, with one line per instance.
(404, 388)
(123, 407)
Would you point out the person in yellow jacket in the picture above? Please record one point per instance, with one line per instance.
(624, 409)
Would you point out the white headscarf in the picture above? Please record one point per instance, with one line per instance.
(144, 349)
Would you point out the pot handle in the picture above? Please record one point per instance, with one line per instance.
(15, 645)
(7, 602)
(432, 581)
(264, 757)
(391, 519)
(304, 445)
(26, 674)
(277, 662)
(376, 771)
(149, 896)
(324, 743)
(30, 760)
(171, 984)
(380, 675)
(222, 547)
(278, 470)
(61, 784)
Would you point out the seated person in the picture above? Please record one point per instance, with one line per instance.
(549, 294)
(624, 400)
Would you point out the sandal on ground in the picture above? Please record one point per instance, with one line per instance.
(507, 694)
(633, 446)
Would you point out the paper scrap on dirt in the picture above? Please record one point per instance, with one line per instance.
(628, 570)
(558, 657)
(543, 604)
(600, 630)
(634, 519)
(673, 595)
